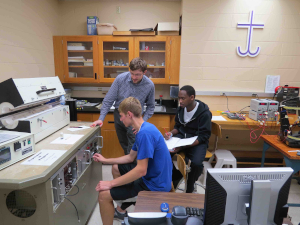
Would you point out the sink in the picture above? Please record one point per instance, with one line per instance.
(158, 108)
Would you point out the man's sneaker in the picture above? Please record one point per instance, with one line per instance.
(120, 216)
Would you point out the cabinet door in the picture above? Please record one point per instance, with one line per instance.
(174, 66)
(115, 54)
(156, 52)
(80, 59)
(85, 117)
(58, 57)
(111, 145)
(161, 121)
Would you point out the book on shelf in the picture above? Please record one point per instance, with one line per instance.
(76, 63)
(70, 47)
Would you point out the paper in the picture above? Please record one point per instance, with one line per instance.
(68, 139)
(44, 157)
(78, 128)
(271, 83)
(174, 142)
(218, 118)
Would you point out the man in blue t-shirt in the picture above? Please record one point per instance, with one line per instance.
(152, 172)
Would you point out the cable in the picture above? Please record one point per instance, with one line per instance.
(76, 192)
(243, 108)
(74, 207)
(227, 102)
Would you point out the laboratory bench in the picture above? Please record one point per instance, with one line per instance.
(40, 194)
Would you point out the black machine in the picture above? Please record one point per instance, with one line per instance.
(289, 95)
(287, 135)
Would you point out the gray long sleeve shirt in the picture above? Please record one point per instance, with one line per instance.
(123, 87)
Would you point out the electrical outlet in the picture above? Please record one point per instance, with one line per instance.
(222, 93)
(118, 9)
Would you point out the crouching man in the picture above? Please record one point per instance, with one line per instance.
(151, 172)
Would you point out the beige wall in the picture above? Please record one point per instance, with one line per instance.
(26, 46)
(209, 61)
(134, 14)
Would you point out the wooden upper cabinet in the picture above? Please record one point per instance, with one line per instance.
(156, 52)
(115, 54)
(100, 59)
(81, 59)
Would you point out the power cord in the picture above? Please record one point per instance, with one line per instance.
(243, 108)
(65, 197)
(74, 207)
(227, 102)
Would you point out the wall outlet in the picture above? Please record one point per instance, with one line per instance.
(118, 9)
(222, 93)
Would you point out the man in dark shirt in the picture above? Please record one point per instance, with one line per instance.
(193, 118)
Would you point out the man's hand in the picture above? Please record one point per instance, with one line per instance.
(167, 135)
(103, 186)
(134, 131)
(96, 123)
(99, 158)
(175, 150)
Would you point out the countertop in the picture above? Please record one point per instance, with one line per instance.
(93, 109)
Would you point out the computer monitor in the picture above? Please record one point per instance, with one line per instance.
(228, 191)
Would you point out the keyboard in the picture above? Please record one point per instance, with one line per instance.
(195, 212)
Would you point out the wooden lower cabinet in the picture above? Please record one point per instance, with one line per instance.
(111, 146)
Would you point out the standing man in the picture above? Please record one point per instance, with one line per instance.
(135, 84)
(152, 172)
(193, 118)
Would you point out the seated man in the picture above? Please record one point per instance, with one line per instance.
(193, 118)
(152, 172)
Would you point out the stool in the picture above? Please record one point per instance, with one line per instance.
(223, 158)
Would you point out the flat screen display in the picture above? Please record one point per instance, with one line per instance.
(5, 155)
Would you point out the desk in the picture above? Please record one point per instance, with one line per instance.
(291, 158)
(149, 201)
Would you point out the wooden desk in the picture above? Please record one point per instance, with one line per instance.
(149, 201)
(291, 158)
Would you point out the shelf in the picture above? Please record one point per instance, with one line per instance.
(116, 66)
(152, 51)
(115, 50)
(80, 66)
(80, 50)
(156, 67)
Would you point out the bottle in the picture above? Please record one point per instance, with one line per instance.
(160, 100)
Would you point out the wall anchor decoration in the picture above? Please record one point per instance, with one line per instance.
(250, 27)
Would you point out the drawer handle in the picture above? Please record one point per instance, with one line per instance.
(111, 121)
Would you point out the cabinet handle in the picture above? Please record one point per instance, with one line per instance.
(111, 121)
(95, 76)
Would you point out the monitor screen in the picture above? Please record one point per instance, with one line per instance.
(229, 190)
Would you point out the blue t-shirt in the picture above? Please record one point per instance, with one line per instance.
(149, 143)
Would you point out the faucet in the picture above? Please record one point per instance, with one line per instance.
(160, 100)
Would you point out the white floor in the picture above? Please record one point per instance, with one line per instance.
(294, 197)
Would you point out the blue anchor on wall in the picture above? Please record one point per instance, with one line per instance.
(250, 27)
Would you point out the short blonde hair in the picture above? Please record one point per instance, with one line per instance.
(131, 104)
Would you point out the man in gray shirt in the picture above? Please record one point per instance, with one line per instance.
(129, 84)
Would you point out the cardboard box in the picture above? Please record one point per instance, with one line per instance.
(92, 21)
(167, 28)
(106, 28)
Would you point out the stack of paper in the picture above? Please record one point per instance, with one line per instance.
(174, 142)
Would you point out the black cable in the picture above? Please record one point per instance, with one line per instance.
(243, 108)
(74, 207)
(227, 102)
(76, 192)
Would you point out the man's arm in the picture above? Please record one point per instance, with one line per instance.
(137, 172)
(150, 104)
(109, 99)
(120, 160)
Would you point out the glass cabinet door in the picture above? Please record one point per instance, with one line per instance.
(81, 59)
(154, 50)
(115, 54)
